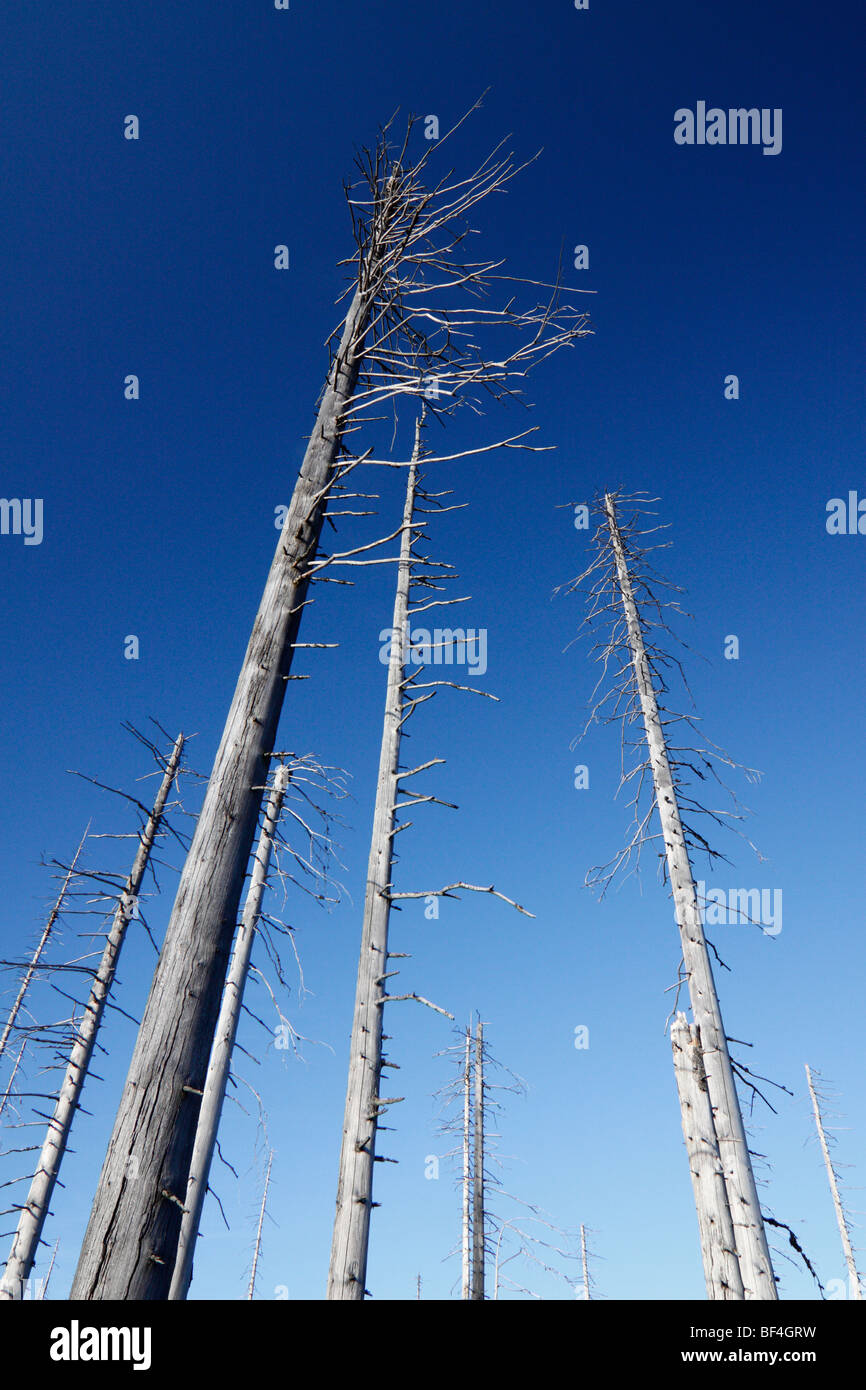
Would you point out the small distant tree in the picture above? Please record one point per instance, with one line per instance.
(257, 1249)
(487, 1235)
(833, 1179)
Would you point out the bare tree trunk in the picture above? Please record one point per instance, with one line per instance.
(466, 1282)
(755, 1265)
(406, 242)
(718, 1248)
(224, 1041)
(7, 1093)
(37, 954)
(478, 1223)
(364, 1104)
(584, 1262)
(35, 1210)
(131, 1241)
(853, 1276)
(252, 1288)
(46, 1281)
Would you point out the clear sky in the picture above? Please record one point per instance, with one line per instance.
(156, 257)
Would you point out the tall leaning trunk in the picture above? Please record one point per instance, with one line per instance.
(718, 1246)
(130, 1245)
(364, 1104)
(754, 1256)
(224, 1041)
(31, 1221)
(845, 1234)
(478, 1223)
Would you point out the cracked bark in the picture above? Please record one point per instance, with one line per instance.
(227, 1027)
(130, 1245)
(718, 1247)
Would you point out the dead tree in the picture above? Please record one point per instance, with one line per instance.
(478, 1223)
(46, 1281)
(33, 963)
(258, 1245)
(583, 1263)
(841, 1219)
(364, 1101)
(487, 1237)
(466, 1225)
(4, 1099)
(224, 1041)
(33, 1215)
(623, 599)
(399, 332)
(718, 1248)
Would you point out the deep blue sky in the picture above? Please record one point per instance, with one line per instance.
(156, 257)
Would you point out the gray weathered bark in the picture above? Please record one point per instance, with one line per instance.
(392, 342)
(718, 1247)
(224, 1041)
(130, 1244)
(853, 1276)
(478, 1222)
(755, 1265)
(31, 1221)
(348, 1269)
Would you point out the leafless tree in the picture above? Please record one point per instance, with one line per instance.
(466, 1175)
(487, 1235)
(35, 1210)
(413, 321)
(33, 964)
(833, 1179)
(479, 1244)
(623, 602)
(4, 1099)
(364, 1101)
(584, 1264)
(258, 1244)
(224, 1041)
(718, 1244)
